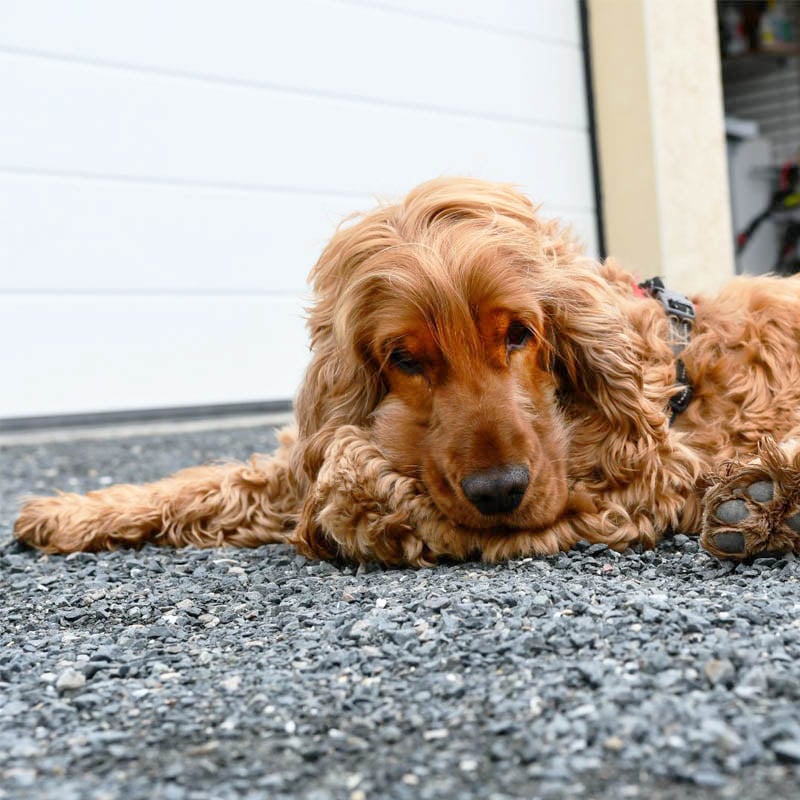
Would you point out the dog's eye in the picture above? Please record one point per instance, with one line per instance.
(405, 362)
(517, 336)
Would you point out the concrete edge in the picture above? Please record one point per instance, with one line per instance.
(132, 429)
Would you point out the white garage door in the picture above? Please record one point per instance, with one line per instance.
(169, 172)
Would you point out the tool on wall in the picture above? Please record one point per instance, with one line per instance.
(785, 198)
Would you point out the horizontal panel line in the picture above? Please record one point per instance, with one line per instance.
(464, 23)
(194, 183)
(373, 197)
(319, 94)
(302, 294)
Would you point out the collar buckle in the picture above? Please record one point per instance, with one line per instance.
(676, 305)
(680, 313)
(678, 308)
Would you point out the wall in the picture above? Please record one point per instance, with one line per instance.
(170, 172)
(661, 139)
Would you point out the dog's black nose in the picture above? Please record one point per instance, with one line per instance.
(497, 490)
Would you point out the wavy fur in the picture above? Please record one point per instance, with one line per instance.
(416, 382)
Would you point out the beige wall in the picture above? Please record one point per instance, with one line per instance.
(661, 140)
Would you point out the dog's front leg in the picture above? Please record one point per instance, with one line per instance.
(359, 508)
(241, 504)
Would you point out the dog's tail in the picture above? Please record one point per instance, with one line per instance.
(240, 504)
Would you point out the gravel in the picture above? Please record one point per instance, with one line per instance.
(259, 674)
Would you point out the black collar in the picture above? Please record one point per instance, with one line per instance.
(680, 312)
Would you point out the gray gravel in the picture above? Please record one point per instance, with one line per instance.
(258, 674)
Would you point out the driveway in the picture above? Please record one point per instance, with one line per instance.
(258, 674)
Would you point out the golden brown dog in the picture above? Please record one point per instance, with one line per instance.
(480, 389)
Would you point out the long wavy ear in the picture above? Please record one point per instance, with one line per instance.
(602, 357)
(342, 385)
(597, 349)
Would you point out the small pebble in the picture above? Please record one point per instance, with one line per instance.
(70, 680)
(719, 671)
(787, 749)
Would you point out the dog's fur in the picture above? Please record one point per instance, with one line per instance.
(458, 332)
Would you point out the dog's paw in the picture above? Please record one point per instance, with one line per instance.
(753, 509)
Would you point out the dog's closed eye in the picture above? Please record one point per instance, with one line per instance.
(401, 359)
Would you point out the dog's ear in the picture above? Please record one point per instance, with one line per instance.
(342, 385)
(600, 354)
(339, 388)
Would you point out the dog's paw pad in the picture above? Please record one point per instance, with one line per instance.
(761, 491)
(732, 511)
(729, 542)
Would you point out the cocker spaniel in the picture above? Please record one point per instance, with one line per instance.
(480, 389)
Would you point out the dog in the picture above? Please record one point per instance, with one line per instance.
(480, 389)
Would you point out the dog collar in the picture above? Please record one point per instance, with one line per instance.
(680, 312)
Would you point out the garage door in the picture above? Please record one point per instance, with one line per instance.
(170, 171)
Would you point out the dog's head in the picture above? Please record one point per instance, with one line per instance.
(472, 338)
